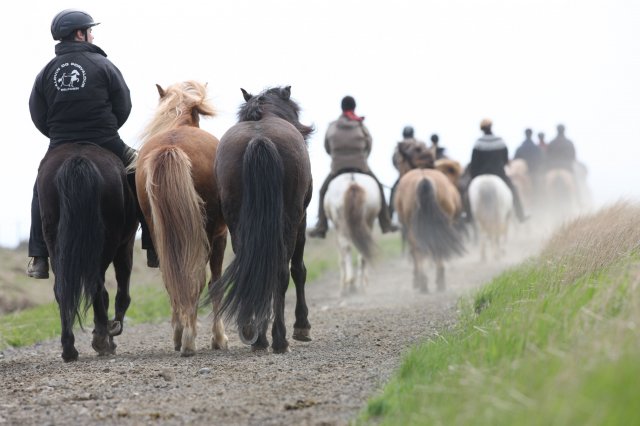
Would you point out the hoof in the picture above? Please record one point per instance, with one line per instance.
(220, 346)
(70, 356)
(187, 352)
(114, 328)
(104, 347)
(255, 348)
(248, 334)
(302, 334)
(283, 350)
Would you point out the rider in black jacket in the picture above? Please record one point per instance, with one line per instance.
(490, 155)
(79, 96)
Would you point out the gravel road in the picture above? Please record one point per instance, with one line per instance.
(358, 341)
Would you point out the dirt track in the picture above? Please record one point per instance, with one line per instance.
(358, 341)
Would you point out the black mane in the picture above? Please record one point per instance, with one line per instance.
(276, 101)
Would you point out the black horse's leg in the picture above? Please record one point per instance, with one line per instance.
(301, 328)
(101, 342)
(122, 265)
(279, 329)
(262, 343)
(69, 352)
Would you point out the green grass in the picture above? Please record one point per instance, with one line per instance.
(551, 342)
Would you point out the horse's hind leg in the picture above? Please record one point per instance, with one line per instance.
(178, 328)
(301, 327)
(279, 329)
(122, 265)
(219, 339)
(190, 331)
(102, 342)
(67, 339)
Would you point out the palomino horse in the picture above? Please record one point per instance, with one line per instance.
(491, 205)
(518, 172)
(428, 204)
(179, 198)
(264, 176)
(89, 221)
(561, 194)
(352, 203)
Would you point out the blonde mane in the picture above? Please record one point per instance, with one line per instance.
(176, 107)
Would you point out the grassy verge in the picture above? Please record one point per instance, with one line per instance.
(149, 299)
(554, 341)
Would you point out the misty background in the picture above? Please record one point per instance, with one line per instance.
(440, 66)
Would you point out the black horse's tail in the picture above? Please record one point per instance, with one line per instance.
(435, 234)
(258, 270)
(80, 237)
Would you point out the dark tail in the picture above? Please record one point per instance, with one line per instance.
(434, 231)
(359, 231)
(256, 273)
(80, 239)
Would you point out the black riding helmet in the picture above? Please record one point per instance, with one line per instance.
(407, 132)
(69, 20)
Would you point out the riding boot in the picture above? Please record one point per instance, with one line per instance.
(39, 266)
(384, 217)
(392, 197)
(320, 230)
(147, 243)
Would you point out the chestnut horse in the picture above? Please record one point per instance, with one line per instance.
(179, 199)
(428, 206)
(264, 177)
(89, 221)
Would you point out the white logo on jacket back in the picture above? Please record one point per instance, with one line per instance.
(69, 76)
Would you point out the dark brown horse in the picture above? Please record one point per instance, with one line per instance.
(264, 177)
(89, 221)
(179, 198)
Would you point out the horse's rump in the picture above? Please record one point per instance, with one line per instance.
(352, 203)
(427, 203)
(88, 212)
(491, 203)
(178, 221)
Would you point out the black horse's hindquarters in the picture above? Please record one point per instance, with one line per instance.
(89, 221)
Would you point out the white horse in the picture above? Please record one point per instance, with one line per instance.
(491, 204)
(352, 204)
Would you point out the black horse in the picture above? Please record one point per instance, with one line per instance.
(89, 221)
(264, 180)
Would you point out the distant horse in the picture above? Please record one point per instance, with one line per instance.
(491, 204)
(561, 194)
(89, 221)
(264, 177)
(428, 205)
(179, 199)
(451, 168)
(352, 204)
(518, 172)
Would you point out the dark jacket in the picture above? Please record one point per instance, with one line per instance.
(79, 96)
(560, 154)
(490, 155)
(532, 155)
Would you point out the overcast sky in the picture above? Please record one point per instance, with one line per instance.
(440, 66)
